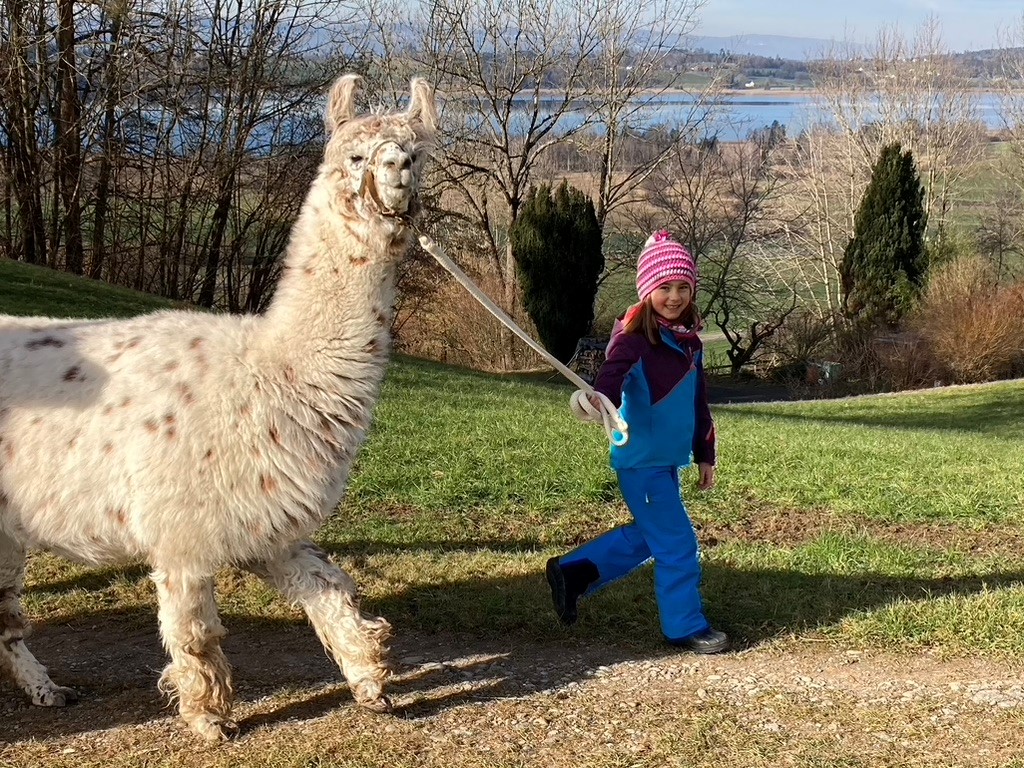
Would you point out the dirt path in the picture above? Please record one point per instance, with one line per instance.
(497, 702)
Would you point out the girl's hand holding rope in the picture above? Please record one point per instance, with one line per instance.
(595, 407)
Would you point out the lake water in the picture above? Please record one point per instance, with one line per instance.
(738, 113)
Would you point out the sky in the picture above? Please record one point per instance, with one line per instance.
(966, 24)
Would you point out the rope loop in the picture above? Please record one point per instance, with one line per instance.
(607, 415)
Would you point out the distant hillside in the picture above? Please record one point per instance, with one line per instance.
(799, 48)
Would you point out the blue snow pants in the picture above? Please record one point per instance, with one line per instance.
(661, 530)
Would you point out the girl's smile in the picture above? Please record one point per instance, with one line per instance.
(671, 299)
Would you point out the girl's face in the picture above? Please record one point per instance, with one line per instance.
(671, 299)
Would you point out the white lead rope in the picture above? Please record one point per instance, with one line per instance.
(615, 426)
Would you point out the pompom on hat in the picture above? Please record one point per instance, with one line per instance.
(663, 259)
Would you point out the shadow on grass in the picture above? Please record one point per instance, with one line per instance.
(977, 411)
(466, 641)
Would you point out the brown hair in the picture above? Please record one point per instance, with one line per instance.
(641, 318)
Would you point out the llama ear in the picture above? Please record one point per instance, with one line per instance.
(422, 104)
(341, 102)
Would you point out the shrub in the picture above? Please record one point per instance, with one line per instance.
(973, 326)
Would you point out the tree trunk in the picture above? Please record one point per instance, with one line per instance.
(207, 293)
(112, 83)
(69, 142)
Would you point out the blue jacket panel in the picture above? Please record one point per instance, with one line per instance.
(663, 398)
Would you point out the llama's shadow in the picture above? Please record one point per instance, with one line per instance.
(445, 654)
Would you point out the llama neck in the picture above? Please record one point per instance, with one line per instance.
(333, 305)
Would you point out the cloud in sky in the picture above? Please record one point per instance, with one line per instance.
(966, 24)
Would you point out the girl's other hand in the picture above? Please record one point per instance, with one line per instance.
(707, 476)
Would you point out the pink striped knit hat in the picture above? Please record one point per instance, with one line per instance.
(663, 259)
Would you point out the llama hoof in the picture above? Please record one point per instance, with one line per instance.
(54, 697)
(381, 705)
(214, 728)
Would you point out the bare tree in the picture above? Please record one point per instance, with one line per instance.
(67, 120)
(1011, 99)
(630, 77)
(21, 83)
(908, 90)
(720, 199)
(522, 79)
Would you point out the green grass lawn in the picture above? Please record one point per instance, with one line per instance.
(31, 290)
(887, 522)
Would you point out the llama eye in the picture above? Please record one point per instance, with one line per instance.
(356, 159)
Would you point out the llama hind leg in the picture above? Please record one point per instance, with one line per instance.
(27, 671)
(198, 675)
(305, 575)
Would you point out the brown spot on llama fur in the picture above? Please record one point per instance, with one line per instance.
(171, 365)
(150, 425)
(119, 515)
(37, 420)
(46, 341)
(268, 484)
(373, 347)
(126, 402)
(8, 449)
(245, 411)
(108, 448)
(185, 391)
(74, 373)
(275, 436)
(195, 343)
(359, 259)
(289, 375)
(4, 501)
(133, 342)
(209, 454)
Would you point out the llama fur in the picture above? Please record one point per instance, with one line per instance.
(196, 442)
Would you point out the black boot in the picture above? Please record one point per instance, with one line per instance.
(708, 641)
(568, 582)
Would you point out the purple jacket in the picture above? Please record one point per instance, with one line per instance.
(661, 392)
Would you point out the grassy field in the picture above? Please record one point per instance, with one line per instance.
(30, 290)
(469, 481)
(883, 524)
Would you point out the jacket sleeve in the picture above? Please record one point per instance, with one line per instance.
(704, 432)
(623, 353)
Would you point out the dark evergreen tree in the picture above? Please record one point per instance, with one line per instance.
(556, 242)
(885, 262)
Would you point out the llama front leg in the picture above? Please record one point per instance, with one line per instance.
(198, 675)
(306, 576)
(14, 654)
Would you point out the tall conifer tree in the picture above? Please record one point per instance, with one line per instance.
(885, 262)
(556, 242)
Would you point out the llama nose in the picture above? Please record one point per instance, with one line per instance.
(397, 166)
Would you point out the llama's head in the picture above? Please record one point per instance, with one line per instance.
(375, 161)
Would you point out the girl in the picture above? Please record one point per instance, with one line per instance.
(654, 372)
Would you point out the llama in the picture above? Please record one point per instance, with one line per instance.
(195, 442)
